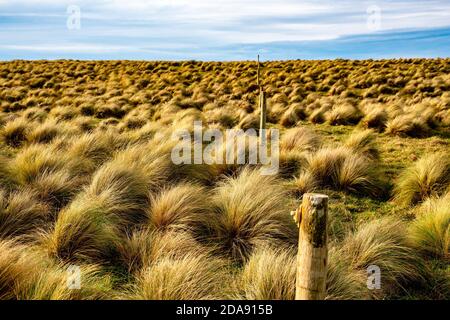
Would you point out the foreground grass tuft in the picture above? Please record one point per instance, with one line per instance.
(429, 176)
(430, 232)
(249, 217)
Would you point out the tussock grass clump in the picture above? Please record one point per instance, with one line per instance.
(193, 277)
(136, 249)
(408, 125)
(56, 188)
(47, 131)
(290, 162)
(21, 214)
(317, 116)
(344, 283)
(383, 243)
(63, 113)
(344, 114)
(83, 231)
(182, 207)
(300, 139)
(133, 122)
(97, 147)
(269, 274)
(429, 176)
(52, 285)
(105, 112)
(375, 119)
(90, 226)
(274, 112)
(430, 232)
(34, 161)
(18, 265)
(358, 176)
(305, 182)
(226, 118)
(84, 124)
(145, 133)
(250, 121)
(249, 217)
(231, 155)
(144, 247)
(290, 117)
(125, 188)
(158, 161)
(14, 133)
(325, 164)
(44, 133)
(363, 142)
(152, 160)
(35, 114)
(53, 175)
(444, 117)
(343, 169)
(2, 119)
(28, 275)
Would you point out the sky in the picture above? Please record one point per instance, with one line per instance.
(223, 29)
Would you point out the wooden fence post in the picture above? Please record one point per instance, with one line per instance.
(312, 248)
(257, 76)
(263, 109)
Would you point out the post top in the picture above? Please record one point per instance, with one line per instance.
(315, 195)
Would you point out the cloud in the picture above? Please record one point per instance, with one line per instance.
(72, 48)
(176, 24)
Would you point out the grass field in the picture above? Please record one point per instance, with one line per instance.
(86, 178)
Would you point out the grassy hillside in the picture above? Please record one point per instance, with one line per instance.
(86, 178)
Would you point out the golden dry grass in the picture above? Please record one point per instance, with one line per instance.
(248, 217)
(192, 277)
(430, 232)
(86, 178)
(429, 176)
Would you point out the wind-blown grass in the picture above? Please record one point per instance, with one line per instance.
(14, 133)
(89, 227)
(144, 247)
(300, 139)
(383, 243)
(193, 277)
(363, 142)
(429, 176)
(182, 207)
(249, 217)
(270, 274)
(21, 214)
(343, 169)
(27, 275)
(430, 232)
(87, 178)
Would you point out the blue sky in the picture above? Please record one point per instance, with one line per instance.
(223, 30)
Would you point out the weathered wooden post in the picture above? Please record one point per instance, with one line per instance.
(257, 76)
(312, 248)
(262, 108)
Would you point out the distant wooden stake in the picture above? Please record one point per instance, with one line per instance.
(263, 109)
(257, 76)
(312, 248)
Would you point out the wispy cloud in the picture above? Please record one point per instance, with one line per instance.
(80, 48)
(177, 26)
